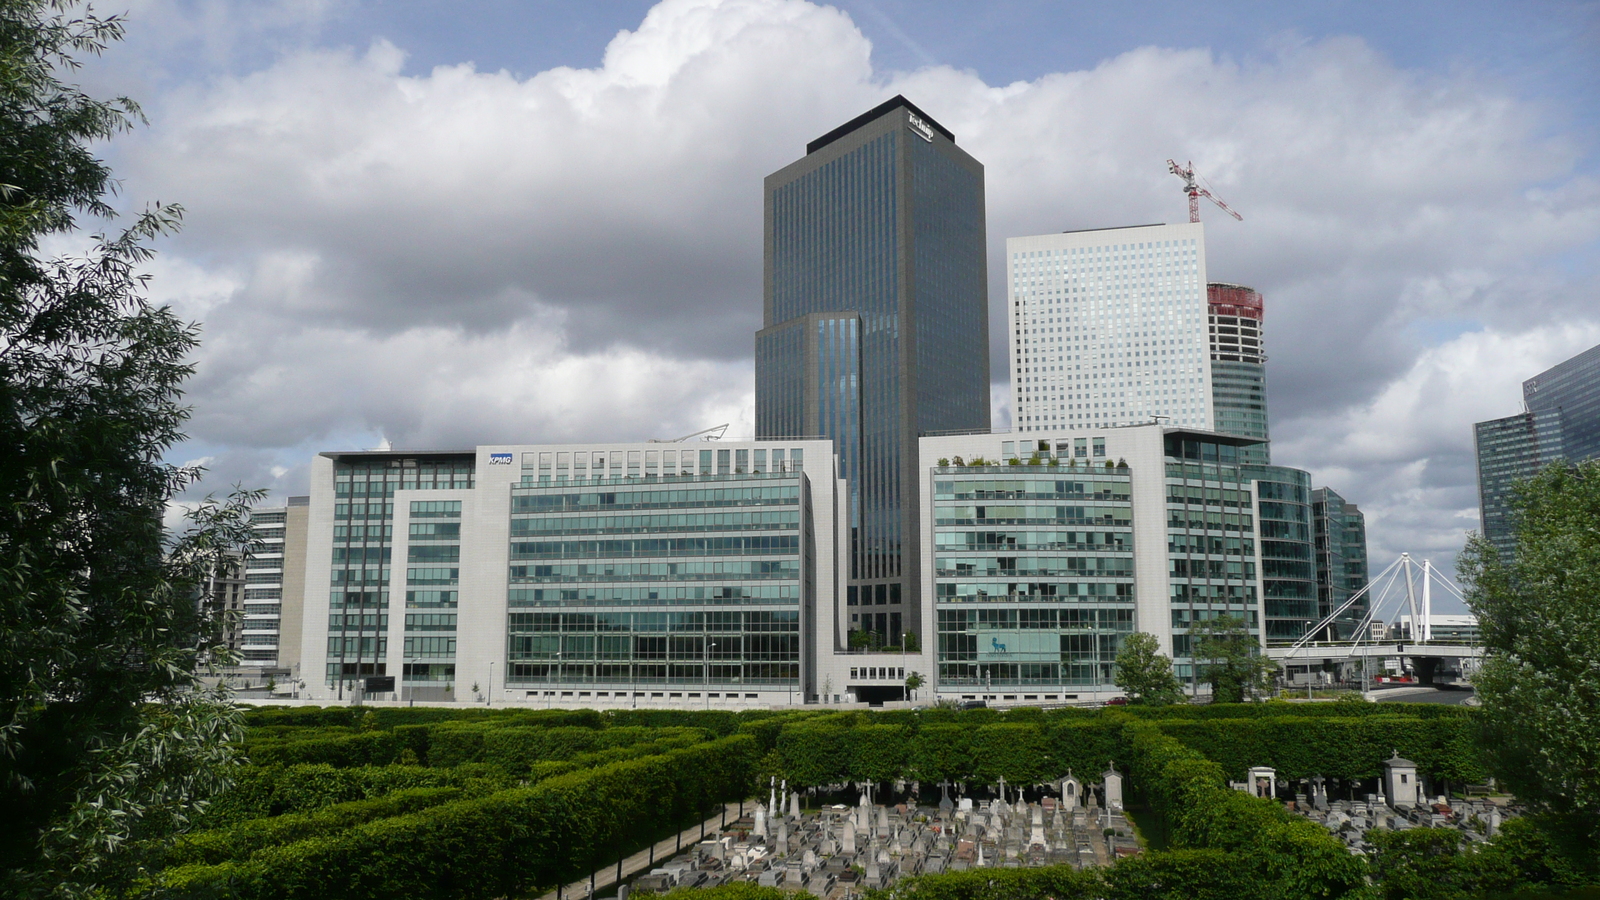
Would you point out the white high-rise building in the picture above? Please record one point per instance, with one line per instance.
(1109, 327)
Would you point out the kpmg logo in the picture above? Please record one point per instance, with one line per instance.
(499, 459)
(923, 129)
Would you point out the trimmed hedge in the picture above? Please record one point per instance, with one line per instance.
(1300, 747)
(1031, 747)
(239, 841)
(1287, 855)
(264, 791)
(510, 843)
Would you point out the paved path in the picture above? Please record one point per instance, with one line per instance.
(640, 862)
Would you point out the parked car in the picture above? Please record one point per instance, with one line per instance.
(1117, 701)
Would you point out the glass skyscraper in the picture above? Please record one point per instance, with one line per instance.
(1572, 390)
(876, 326)
(1561, 422)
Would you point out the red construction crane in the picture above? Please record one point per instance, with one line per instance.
(1195, 191)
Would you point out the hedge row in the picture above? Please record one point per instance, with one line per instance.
(1284, 854)
(510, 843)
(1021, 753)
(239, 841)
(830, 750)
(264, 791)
(389, 717)
(1300, 747)
(509, 744)
(552, 768)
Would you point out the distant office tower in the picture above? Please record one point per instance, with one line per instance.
(1238, 366)
(1509, 450)
(268, 631)
(1562, 422)
(1109, 327)
(1341, 549)
(1571, 389)
(876, 325)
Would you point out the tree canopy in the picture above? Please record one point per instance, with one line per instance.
(1539, 614)
(1231, 660)
(1145, 673)
(98, 611)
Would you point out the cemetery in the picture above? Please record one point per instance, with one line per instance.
(1258, 799)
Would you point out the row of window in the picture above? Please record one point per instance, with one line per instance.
(1020, 489)
(753, 545)
(768, 520)
(764, 673)
(720, 647)
(780, 493)
(710, 570)
(1117, 516)
(1034, 592)
(1195, 518)
(1212, 544)
(646, 596)
(695, 621)
(1045, 618)
(1033, 566)
(1212, 568)
(1114, 541)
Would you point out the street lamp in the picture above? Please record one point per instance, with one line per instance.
(709, 647)
(549, 696)
(489, 695)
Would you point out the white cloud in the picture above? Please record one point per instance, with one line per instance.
(460, 256)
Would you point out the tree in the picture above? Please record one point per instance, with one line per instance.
(1230, 659)
(106, 743)
(1539, 614)
(1144, 673)
(914, 683)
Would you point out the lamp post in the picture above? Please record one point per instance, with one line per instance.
(404, 691)
(556, 681)
(709, 647)
(489, 694)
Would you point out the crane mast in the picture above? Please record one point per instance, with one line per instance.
(1191, 186)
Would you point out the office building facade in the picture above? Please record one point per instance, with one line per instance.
(601, 574)
(875, 318)
(1561, 423)
(1509, 450)
(1572, 390)
(1046, 550)
(1340, 533)
(1234, 317)
(1109, 327)
(266, 632)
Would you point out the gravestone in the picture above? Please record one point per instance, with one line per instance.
(760, 829)
(1113, 787)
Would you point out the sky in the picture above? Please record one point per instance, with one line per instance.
(446, 224)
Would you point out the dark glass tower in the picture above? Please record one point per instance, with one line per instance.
(1562, 423)
(876, 326)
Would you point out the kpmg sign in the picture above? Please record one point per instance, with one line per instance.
(499, 459)
(922, 129)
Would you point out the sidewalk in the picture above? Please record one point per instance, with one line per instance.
(640, 862)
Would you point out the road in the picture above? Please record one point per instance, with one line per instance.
(1416, 694)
